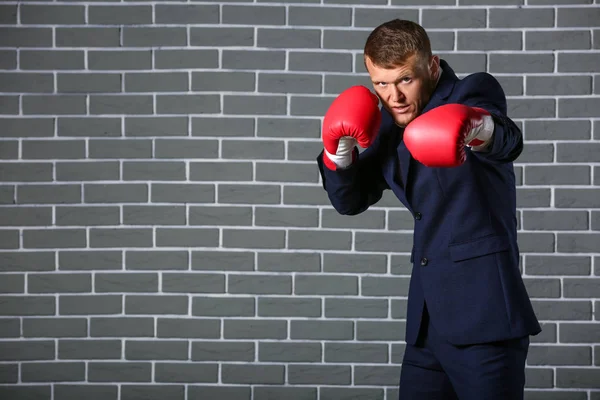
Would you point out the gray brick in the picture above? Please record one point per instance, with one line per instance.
(8, 14)
(267, 239)
(88, 37)
(119, 59)
(356, 353)
(286, 172)
(577, 377)
(13, 284)
(578, 62)
(286, 217)
(355, 308)
(579, 333)
(354, 263)
(52, 15)
(254, 15)
(577, 198)
(9, 239)
(9, 373)
(557, 130)
(489, 40)
(156, 260)
(19, 82)
(289, 83)
(22, 127)
(553, 2)
(89, 260)
(186, 148)
(512, 85)
(555, 395)
(9, 150)
(156, 82)
(488, 2)
(221, 36)
(154, 36)
(182, 193)
(27, 305)
(326, 285)
(193, 283)
(320, 16)
(223, 351)
(154, 215)
(453, 19)
(88, 83)
(188, 328)
(120, 104)
(90, 304)
(119, 327)
(156, 350)
(543, 288)
(575, 152)
(383, 241)
(119, 372)
(558, 40)
(85, 391)
(302, 374)
(463, 62)
(539, 378)
(9, 105)
(120, 237)
(116, 193)
(54, 104)
(559, 85)
(362, 2)
(557, 265)
(219, 392)
(388, 286)
(126, 148)
(222, 127)
(536, 242)
(289, 352)
(175, 372)
(27, 350)
(244, 374)
(254, 104)
(10, 328)
(557, 175)
(578, 107)
(25, 216)
(187, 104)
(57, 149)
(555, 220)
(222, 261)
(253, 149)
(25, 37)
(285, 38)
(59, 283)
(319, 240)
(371, 17)
(563, 310)
(187, 237)
(254, 329)
(7, 194)
(521, 17)
(187, 13)
(376, 375)
(120, 15)
(218, 216)
(53, 372)
(290, 393)
(289, 307)
(224, 307)
(123, 282)
(36, 392)
(344, 39)
(578, 17)
(305, 195)
(259, 284)
(289, 262)
(215, 81)
(521, 63)
(309, 106)
(186, 59)
(321, 330)
(54, 238)
(153, 170)
(8, 59)
(253, 59)
(220, 171)
(289, 128)
(371, 219)
(154, 391)
(581, 287)
(303, 151)
(156, 126)
(335, 84)
(88, 127)
(340, 393)
(320, 61)
(51, 60)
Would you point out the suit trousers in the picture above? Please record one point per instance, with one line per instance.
(434, 369)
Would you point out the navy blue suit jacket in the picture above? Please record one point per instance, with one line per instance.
(465, 254)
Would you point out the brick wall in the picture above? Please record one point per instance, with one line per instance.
(164, 234)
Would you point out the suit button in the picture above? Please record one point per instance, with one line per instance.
(418, 216)
(424, 261)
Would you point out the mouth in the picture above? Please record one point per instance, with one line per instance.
(401, 110)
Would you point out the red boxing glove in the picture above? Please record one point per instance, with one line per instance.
(353, 117)
(438, 137)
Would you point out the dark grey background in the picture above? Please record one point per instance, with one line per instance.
(164, 232)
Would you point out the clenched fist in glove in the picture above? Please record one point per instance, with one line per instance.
(438, 137)
(352, 118)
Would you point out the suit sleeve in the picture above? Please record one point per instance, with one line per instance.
(352, 190)
(507, 143)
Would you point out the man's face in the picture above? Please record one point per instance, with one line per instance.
(405, 89)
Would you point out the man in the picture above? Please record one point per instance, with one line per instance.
(445, 148)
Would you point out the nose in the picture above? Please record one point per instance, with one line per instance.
(397, 95)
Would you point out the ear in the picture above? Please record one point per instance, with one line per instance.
(434, 67)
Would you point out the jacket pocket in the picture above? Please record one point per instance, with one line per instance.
(478, 247)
